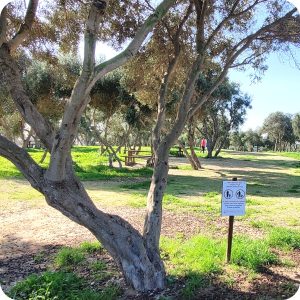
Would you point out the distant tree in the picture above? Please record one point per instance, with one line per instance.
(278, 126)
(237, 140)
(296, 126)
(224, 113)
(252, 138)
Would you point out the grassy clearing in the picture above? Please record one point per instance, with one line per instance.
(88, 164)
(295, 155)
(272, 213)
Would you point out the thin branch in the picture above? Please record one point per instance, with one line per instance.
(230, 16)
(28, 111)
(135, 44)
(239, 48)
(164, 87)
(25, 28)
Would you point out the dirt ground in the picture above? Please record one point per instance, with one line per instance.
(30, 227)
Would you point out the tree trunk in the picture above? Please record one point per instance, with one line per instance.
(210, 148)
(220, 148)
(191, 141)
(141, 266)
(188, 156)
(143, 270)
(153, 219)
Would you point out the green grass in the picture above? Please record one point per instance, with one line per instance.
(68, 257)
(284, 238)
(260, 224)
(59, 286)
(295, 155)
(144, 185)
(199, 259)
(98, 266)
(88, 165)
(91, 247)
(199, 254)
(252, 254)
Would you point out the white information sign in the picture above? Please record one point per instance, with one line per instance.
(233, 198)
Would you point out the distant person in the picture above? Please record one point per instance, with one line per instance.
(203, 144)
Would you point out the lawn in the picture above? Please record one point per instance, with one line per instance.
(266, 246)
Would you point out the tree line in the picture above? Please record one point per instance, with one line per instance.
(279, 132)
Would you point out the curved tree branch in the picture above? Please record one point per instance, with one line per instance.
(135, 44)
(25, 28)
(28, 111)
(22, 160)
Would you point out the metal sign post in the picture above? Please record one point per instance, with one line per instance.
(233, 204)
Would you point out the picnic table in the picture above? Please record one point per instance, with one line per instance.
(179, 152)
(32, 144)
(130, 159)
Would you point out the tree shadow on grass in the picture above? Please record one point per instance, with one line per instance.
(19, 258)
(259, 183)
(269, 285)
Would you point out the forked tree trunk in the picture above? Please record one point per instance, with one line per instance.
(141, 268)
(188, 156)
(140, 264)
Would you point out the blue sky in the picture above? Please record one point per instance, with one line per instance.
(278, 90)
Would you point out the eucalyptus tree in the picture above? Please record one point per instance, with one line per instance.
(252, 139)
(279, 128)
(296, 125)
(227, 32)
(224, 113)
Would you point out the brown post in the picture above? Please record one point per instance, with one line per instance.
(230, 232)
